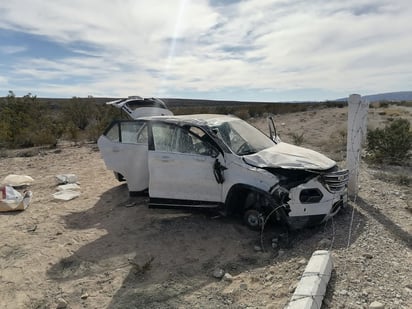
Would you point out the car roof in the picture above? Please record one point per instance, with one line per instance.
(195, 119)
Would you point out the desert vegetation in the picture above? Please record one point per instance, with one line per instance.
(30, 121)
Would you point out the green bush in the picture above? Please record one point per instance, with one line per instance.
(391, 144)
(25, 123)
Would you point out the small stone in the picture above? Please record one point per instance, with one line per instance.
(302, 261)
(218, 273)
(343, 292)
(367, 256)
(376, 305)
(243, 286)
(293, 287)
(84, 296)
(274, 245)
(257, 248)
(281, 253)
(61, 303)
(324, 243)
(228, 277)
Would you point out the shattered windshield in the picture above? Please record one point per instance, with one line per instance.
(241, 137)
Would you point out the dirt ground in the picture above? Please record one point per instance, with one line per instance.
(105, 249)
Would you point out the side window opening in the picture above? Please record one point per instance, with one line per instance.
(193, 141)
(113, 133)
(130, 132)
(172, 138)
(163, 136)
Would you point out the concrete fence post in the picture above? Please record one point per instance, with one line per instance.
(357, 125)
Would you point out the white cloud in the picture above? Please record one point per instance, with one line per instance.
(11, 49)
(143, 47)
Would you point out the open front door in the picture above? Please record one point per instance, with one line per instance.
(181, 168)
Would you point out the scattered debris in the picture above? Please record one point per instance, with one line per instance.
(69, 186)
(66, 190)
(66, 178)
(66, 195)
(12, 200)
(17, 180)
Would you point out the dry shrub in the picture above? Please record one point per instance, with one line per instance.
(391, 144)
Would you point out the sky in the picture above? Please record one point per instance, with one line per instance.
(251, 50)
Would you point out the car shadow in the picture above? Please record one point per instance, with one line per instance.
(157, 247)
(167, 255)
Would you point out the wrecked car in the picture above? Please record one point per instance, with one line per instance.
(222, 162)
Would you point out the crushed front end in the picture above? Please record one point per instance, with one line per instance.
(314, 199)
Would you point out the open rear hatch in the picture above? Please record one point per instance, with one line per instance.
(137, 107)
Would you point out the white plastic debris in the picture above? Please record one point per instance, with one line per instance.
(17, 180)
(12, 200)
(69, 186)
(66, 178)
(66, 195)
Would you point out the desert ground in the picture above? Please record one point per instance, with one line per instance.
(105, 249)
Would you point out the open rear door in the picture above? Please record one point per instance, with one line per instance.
(124, 150)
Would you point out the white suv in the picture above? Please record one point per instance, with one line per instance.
(219, 161)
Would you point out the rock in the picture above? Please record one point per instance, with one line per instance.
(269, 277)
(218, 273)
(367, 256)
(376, 305)
(228, 277)
(281, 253)
(243, 286)
(84, 296)
(343, 292)
(293, 287)
(61, 303)
(302, 262)
(257, 248)
(324, 243)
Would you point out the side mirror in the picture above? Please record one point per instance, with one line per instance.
(214, 153)
(272, 130)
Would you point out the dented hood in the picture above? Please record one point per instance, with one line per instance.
(284, 155)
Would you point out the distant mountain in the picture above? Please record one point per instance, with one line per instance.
(388, 96)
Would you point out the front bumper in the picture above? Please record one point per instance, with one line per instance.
(303, 213)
